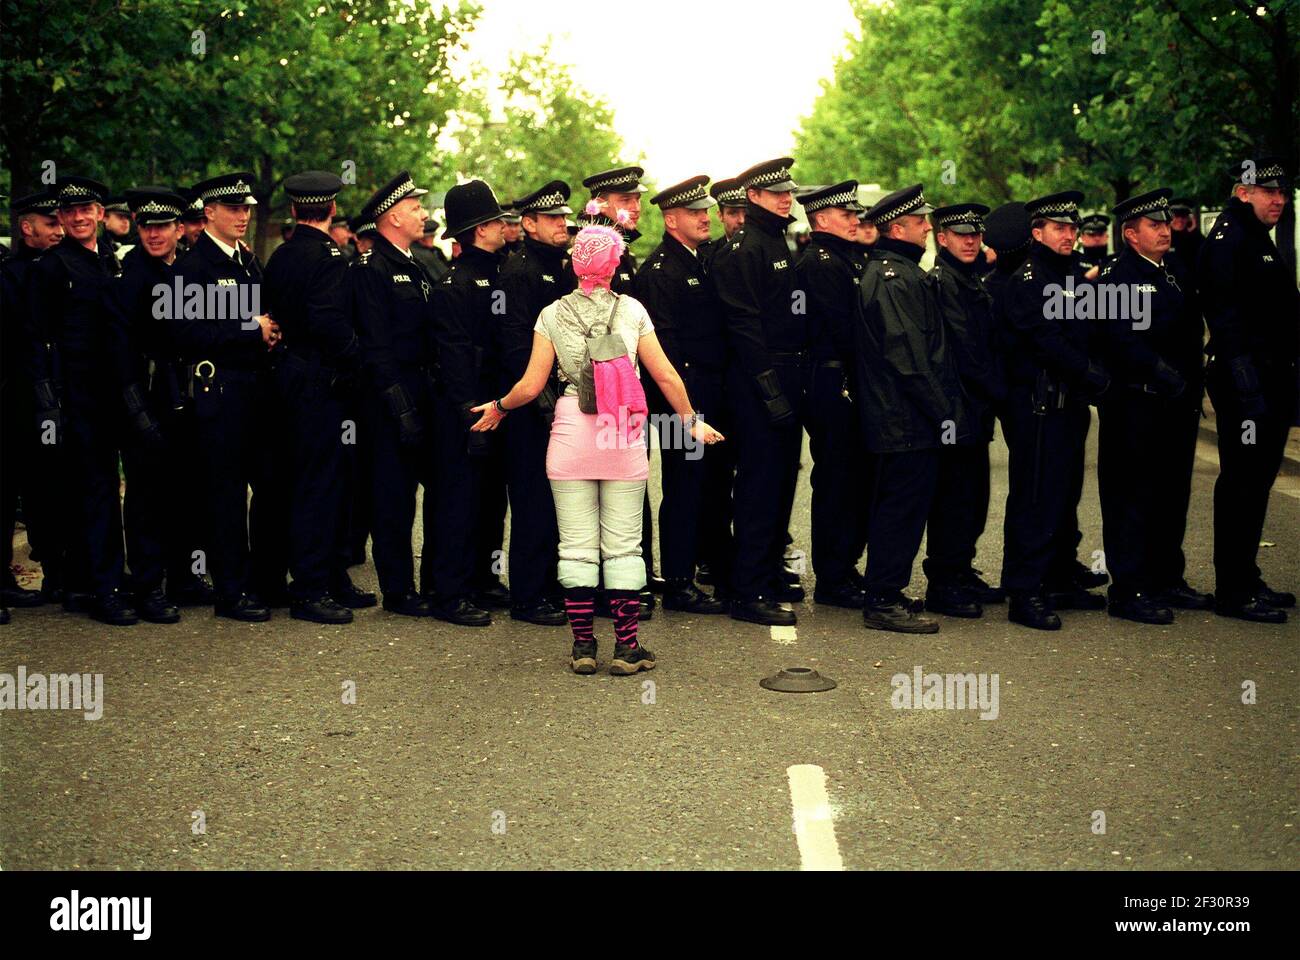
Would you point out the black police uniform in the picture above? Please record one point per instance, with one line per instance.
(66, 294)
(237, 427)
(695, 512)
(531, 279)
(316, 385)
(1149, 420)
(391, 302)
(829, 272)
(467, 309)
(1251, 304)
(1051, 378)
(909, 401)
(767, 341)
(961, 500)
(162, 518)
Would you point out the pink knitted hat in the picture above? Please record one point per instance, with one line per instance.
(595, 255)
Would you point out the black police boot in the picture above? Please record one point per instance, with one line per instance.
(346, 594)
(1140, 608)
(686, 596)
(763, 610)
(1085, 578)
(1032, 610)
(952, 601)
(462, 613)
(655, 583)
(544, 613)
(154, 607)
(979, 589)
(847, 595)
(1182, 597)
(245, 607)
(492, 596)
(1251, 609)
(12, 595)
(704, 574)
(894, 613)
(783, 591)
(1068, 596)
(323, 609)
(191, 591)
(1274, 598)
(409, 604)
(114, 609)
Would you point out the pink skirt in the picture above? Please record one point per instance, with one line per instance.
(585, 446)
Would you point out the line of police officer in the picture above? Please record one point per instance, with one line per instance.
(353, 388)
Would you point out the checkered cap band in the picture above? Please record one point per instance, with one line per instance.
(1056, 209)
(914, 203)
(833, 200)
(696, 192)
(368, 227)
(1160, 203)
(196, 204)
(400, 191)
(153, 206)
(629, 180)
(1272, 172)
(544, 202)
(770, 176)
(312, 198)
(75, 191)
(734, 195)
(966, 216)
(238, 190)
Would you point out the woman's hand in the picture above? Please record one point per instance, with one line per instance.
(705, 433)
(491, 416)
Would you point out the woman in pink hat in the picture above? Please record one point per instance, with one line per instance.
(596, 462)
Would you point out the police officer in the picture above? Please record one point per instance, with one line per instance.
(76, 404)
(1007, 232)
(1094, 243)
(37, 224)
(961, 499)
(1251, 306)
(364, 233)
(1150, 416)
(1186, 233)
(672, 284)
(391, 301)
(1052, 376)
(341, 232)
(193, 220)
(767, 340)
(119, 228)
(828, 274)
(467, 309)
(909, 402)
(157, 440)
(617, 193)
(315, 376)
(532, 278)
(427, 252)
(730, 195)
(225, 344)
(514, 231)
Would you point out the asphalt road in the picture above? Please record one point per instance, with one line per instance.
(479, 749)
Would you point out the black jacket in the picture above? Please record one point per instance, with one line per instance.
(1051, 337)
(906, 386)
(1165, 353)
(304, 290)
(139, 336)
(673, 286)
(226, 335)
(65, 306)
(468, 306)
(15, 348)
(969, 326)
(754, 277)
(828, 273)
(1250, 299)
(391, 301)
(532, 279)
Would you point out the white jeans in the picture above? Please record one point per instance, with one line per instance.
(600, 530)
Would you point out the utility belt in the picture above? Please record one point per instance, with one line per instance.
(1048, 394)
(163, 380)
(788, 358)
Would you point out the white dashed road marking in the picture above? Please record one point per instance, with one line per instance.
(814, 822)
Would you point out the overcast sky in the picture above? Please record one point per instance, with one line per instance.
(706, 86)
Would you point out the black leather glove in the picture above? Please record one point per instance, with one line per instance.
(48, 410)
(778, 407)
(1169, 380)
(410, 428)
(142, 420)
(1246, 380)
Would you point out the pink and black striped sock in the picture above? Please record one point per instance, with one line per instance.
(625, 605)
(580, 607)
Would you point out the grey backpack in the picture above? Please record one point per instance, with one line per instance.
(601, 343)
